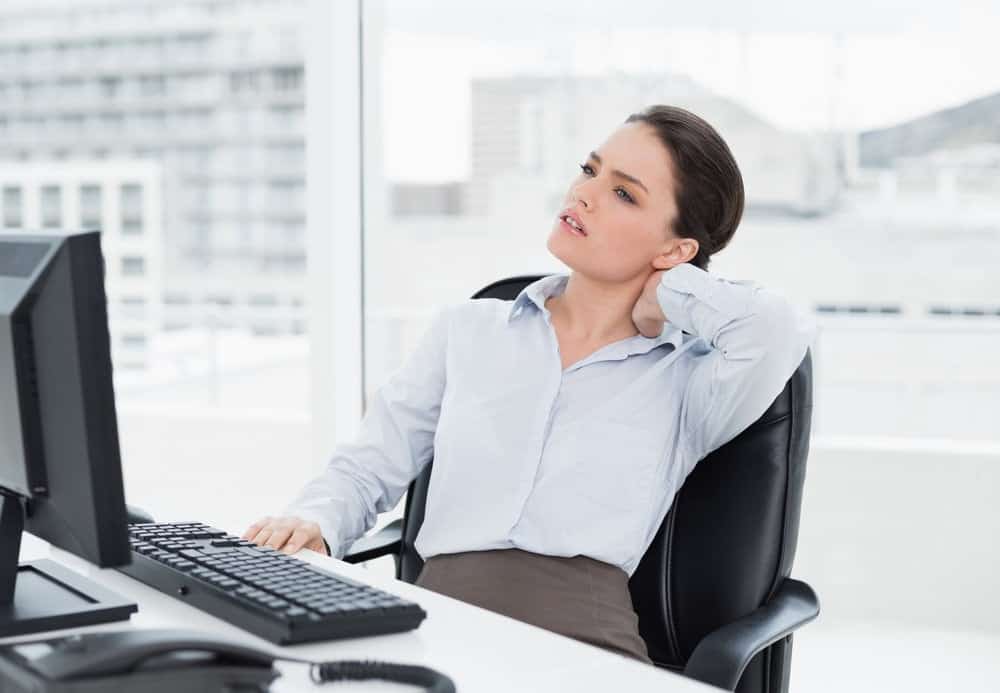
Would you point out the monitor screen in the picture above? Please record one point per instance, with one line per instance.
(57, 409)
(19, 259)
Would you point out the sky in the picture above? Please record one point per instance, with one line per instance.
(802, 66)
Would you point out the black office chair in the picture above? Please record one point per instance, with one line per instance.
(712, 592)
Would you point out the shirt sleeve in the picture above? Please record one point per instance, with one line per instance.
(757, 339)
(394, 443)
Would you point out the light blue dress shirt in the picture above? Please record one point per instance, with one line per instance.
(585, 460)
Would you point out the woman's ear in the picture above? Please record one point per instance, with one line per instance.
(680, 251)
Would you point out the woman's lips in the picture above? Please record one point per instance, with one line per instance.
(567, 227)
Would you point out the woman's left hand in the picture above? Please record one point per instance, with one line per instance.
(647, 315)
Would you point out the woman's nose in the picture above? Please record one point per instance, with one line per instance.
(581, 193)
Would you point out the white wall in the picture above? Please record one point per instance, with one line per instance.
(902, 534)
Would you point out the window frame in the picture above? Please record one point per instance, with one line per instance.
(334, 201)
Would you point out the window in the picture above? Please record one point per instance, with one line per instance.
(12, 207)
(133, 266)
(51, 203)
(90, 206)
(134, 340)
(150, 122)
(133, 307)
(244, 82)
(131, 209)
(287, 78)
(177, 300)
(109, 87)
(288, 117)
(111, 122)
(147, 92)
(152, 85)
(263, 301)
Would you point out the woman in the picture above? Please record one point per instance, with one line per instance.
(562, 424)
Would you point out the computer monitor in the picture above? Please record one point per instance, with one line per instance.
(60, 464)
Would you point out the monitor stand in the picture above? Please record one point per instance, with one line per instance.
(43, 595)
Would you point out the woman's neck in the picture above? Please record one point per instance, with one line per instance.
(590, 311)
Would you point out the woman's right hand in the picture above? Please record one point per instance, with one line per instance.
(287, 534)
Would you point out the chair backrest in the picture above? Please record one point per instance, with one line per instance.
(728, 539)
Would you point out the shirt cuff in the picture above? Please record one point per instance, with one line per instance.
(685, 292)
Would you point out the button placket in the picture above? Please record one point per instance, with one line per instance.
(552, 400)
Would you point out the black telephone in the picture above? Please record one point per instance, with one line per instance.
(166, 661)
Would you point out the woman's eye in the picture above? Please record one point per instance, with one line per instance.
(627, 198)
(589, 171)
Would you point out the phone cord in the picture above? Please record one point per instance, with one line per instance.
(360, 670)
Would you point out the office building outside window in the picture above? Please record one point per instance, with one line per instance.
(131, 209)
(12, 212)
(205, 89)
(63, 195)
(133, 266)
(90, 206)
(51, 206)
(129, 106)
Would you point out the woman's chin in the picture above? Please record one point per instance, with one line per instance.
(559, 249)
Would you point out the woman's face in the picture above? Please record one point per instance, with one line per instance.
(624, 197)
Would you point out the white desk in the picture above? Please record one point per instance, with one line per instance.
(480, 650)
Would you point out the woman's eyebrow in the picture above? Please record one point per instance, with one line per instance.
(621, 174)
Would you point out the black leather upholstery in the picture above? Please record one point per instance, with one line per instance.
(725, 547)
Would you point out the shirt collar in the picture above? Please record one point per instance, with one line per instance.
(537, 292)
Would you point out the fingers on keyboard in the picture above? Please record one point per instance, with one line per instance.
(253, 529)
(279, 537)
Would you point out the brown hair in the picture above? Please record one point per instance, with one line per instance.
(709, 187)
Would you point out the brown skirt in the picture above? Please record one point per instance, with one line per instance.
(578, 597)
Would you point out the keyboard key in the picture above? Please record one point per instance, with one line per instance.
(224, 542)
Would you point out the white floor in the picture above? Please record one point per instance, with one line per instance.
(875, 657)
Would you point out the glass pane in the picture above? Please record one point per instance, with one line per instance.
(131, 209)
(867, 138)
(90, 206)
(12, 212)
(51, 202)
(147, 124)
(854, 199)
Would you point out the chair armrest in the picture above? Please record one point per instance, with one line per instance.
(388, 540)
(722, 655)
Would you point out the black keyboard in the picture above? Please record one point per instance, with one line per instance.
(278, 597)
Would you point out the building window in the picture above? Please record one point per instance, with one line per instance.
(243, 82)
(859, 309)
(112, 122)
(90, 206)
(51, 206)
(133, 307)
(131, 209)
(177, 300)
(134, 341)
(110, 87)
(287, 78)
(12, 207)
(152, 85)
(263, 301)
(133, 266)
